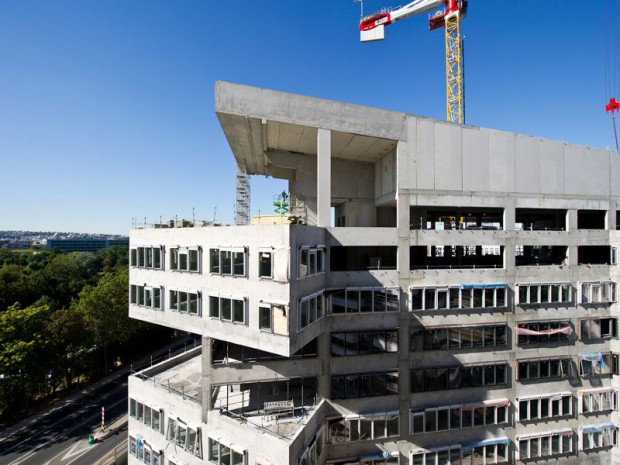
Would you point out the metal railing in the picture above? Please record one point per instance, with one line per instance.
(189, 345)
(116, 456)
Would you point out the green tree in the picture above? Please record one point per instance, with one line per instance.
(105, 310)
(69, 346)
(15, 286)
(24, 362)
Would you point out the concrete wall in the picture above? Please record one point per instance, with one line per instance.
(448, 157)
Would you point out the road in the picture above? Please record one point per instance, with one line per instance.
(61, 437)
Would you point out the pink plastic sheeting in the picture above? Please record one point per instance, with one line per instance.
(530, 332)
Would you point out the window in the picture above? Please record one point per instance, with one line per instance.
(265, 264)
(598, 400)
(459, 337)
(227, 309)
(460, 376)
(544, 293)
(221, 454)
(493, 451)
(312, 452)
(359, 385)
(150, 416)
(595, 364)
(230, 261)
(545, 444)
(363, 427)
(184, 436)
(364, 300)
(310, 309)
(265, 321)
(598, 292)
(448, 417)
(145, 296)
(185, 259)
(143, 451)
(543, 369)
(598, 328)
(146, 257)
(465, 296)
(598, 436)
(364, 342)
(543, 332)
(545, 407)
(311, 261)
(186, 302)
(444, 455)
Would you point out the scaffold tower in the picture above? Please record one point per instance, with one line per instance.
(242, 208)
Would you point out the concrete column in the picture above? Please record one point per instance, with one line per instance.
(571, 220)
(324, 351)
(403, 221)
(324, 178)
(611, 217)
(206, 378)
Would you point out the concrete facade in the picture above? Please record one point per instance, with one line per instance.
(462, 308)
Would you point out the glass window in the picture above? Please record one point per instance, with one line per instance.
(214, 260)
(193, 260)
(238, 311)
(238, 263)
(226, 309)
(265, 264)
(264, 318)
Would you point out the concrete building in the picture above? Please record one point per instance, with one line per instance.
(462, 309)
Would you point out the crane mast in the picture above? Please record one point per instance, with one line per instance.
(454, 69)
(372, 28)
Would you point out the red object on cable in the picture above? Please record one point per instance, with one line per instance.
(612, 106)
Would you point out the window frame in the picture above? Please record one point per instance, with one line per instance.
(437, 298)
(232, 300)
(226, 261)
(184, 306)
(316, 254)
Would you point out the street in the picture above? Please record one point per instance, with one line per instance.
(61, 437)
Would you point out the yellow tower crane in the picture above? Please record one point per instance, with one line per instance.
(372, 27)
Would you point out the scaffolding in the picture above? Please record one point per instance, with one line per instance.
(242, 207)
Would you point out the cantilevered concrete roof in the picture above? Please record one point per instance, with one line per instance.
(259, 122)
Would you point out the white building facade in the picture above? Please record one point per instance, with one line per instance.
(449, 298)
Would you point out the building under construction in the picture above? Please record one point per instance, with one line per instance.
(460, 308)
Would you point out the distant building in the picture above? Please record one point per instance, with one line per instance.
(84, 245)
(264, 220)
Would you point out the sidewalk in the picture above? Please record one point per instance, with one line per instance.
(110, 429)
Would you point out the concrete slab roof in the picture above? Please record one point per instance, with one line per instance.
(259, 122)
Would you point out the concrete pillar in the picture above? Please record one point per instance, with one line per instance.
(324, 351)
(403, 221)
(324, 177)
(206, 377)
(571, 220)
(611, 217)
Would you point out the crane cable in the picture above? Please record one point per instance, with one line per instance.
(612, 51)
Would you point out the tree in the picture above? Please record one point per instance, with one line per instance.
(105, 310)
(69, 346)
(24, 364)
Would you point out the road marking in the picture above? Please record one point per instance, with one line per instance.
(23, 458)
(51, 427)
(41, 446)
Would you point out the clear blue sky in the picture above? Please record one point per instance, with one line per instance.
(106, 106)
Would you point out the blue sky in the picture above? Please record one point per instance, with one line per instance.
(106, 109)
